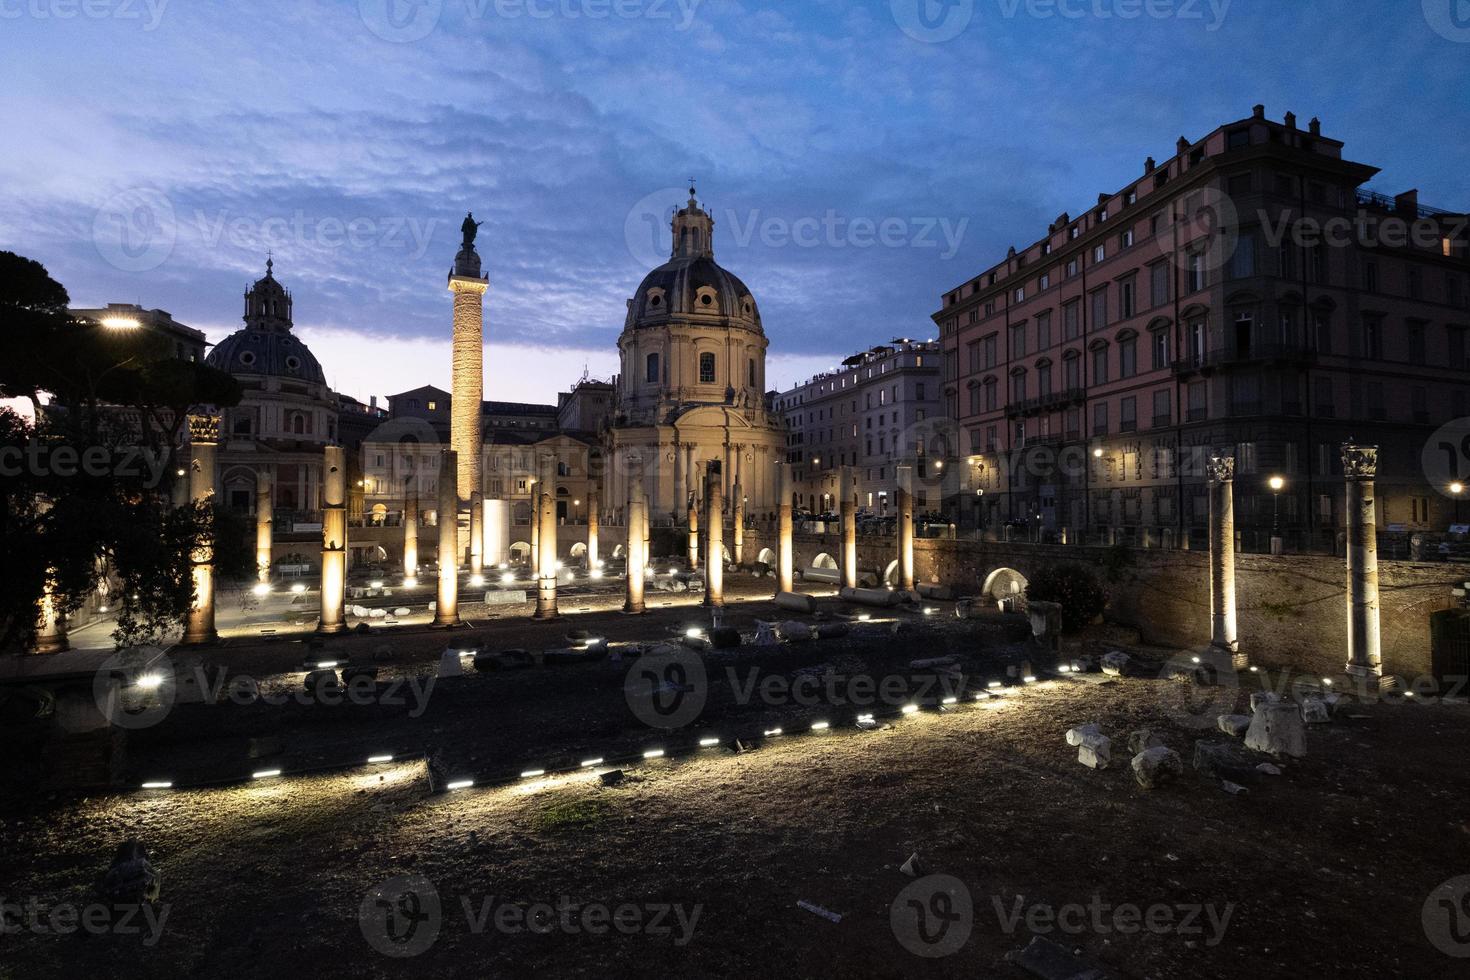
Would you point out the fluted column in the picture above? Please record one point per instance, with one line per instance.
(546, 542)
(681, 481)
(1365, 654)
(1223, 634)
(847, 503)
(334, 541)
(714, 521)
(594, 520)
(446, 608)
(905, 481)
(637, 560)
(536, 528)
(737, 522)
(264, 527)
(693, 531)
(785, 552)
(203, 442)
(411, 528)
(477, 533)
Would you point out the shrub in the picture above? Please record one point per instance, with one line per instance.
(1074, 588)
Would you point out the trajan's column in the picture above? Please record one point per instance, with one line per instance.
(468, 384)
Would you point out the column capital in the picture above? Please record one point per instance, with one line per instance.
(204, 429)
(1359, 462)
(1220, 469)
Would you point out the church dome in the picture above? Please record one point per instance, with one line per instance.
(266, 345)
(692, 284)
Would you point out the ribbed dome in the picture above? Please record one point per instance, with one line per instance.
(274, 353)
(693, 286)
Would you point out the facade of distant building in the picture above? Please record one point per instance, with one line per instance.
(881, 409)
(691, 389)
(187, 343)
(588, 407)
(1092, 371)
(287, 414)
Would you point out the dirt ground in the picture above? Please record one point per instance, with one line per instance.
(700, 859)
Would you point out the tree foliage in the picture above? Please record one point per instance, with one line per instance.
(1073, 587)
(86, 490)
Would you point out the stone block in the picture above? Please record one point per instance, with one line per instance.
(1277, 729)
(1156, 766)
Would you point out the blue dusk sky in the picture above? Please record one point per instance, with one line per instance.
(859, 156)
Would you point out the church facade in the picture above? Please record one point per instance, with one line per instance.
(691, 387)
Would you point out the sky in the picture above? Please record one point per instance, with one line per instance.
(860, 157)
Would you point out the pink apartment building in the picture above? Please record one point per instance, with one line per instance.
(1246, 296)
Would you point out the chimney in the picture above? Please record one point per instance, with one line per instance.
(1315, 126)
(1181, 145)
(1407, 203)
(1148, 165)
(1258, 111)
(373, 402)
(1291, 120)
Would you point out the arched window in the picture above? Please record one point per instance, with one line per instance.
(751, 383)
(651, 374)
(298, 423)
(707, 369)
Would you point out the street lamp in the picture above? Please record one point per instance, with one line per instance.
(1276, 483)
(1457, 489)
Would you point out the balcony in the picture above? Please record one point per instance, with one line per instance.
(1252, 355)
(1045, 403)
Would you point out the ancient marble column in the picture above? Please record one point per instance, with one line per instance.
(477, 533)
(497, 532)
(714, 549)
(203, 442)
(848, 503)
(467, 378)
(1221, 471)
(546, 542)
(535, 528)
(594, 519)
(681, 481)
(264, 527)
(411, 529)
(737, 523)
(785, 552)
(905, 476)
(51, 636)
(334, 541)
(693, 531)
(446, 609)
(637, 560)
(1365, 654)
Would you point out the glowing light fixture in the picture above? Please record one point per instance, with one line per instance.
(992, 684)
(150, 682)
(298, 588)
(693, 632)
(589, 763)
(706, 743)
(325, 664)
(1029, 679)
(161, 784)
(460, 784)
(772, 731)
(477, 580)
(265, 774)
(533, 773)
(654, 754)
(120, 323)
(261, 588)
(377, 760)
(377, 584)
(410, 582)
(821, 726)
(909, 709)
(950, 700)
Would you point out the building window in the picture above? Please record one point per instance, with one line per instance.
(1125, 240)
(650, 373)
(1100, 365)
(1159, 283)
(750, 365)
(1126, 291)
(1045, 281)
(1043, 331)
(1127, 357)
(1099, 252)
(706, 369)
(1071, 321)
(1160, 349)
(1196, 272)
(1100, 419)
(1018, 340)
(1163, 408)
(1128, 414)
(1243, 261)
(1372, 339)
